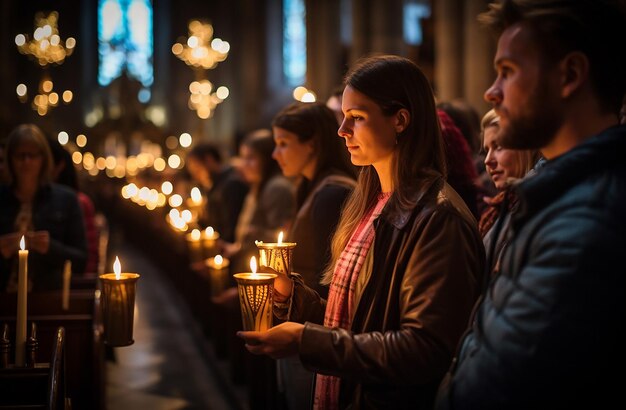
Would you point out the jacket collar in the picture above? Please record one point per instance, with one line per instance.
(399, 216)
(560, 174)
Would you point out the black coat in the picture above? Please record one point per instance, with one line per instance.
(549, 331)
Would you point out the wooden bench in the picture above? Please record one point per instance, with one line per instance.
(41, 386)
(83, 334)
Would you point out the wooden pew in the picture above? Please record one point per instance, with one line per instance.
(84, 342)
(41, 386)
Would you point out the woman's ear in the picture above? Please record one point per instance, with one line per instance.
(402, 120)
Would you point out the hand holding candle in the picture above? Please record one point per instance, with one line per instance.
(256, 292)
(276, 255)
(118, 305)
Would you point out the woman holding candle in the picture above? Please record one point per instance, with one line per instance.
(269, 205)
(48, 215)
(307, 148)
(407, 259)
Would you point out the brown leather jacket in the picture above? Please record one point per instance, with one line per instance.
(427, 273)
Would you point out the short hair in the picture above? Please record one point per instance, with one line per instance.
(202, 151)
(597, 28)
(29, 133)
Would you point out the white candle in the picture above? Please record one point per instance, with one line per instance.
(22, 293)
(67, 276)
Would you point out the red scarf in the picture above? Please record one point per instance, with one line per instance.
(341, 295)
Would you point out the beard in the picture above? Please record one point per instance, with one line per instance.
(535, 126)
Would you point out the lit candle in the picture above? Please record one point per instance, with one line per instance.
(276, 255)
(256, 297)
(218, 270)
(194, 245)
(118, 305)
(67, 276)
(22, 294)
(209, 239)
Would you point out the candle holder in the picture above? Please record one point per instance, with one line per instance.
(218, 274)
(276, 255)
(118, 307)
(256, 297)
(195, 246)
(209, 242)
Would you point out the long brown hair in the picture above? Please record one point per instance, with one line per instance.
(393, 83)
(316, 123)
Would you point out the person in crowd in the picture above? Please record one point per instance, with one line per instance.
(307, 148)
(334, 103)
(547, 334)
(461, 171)
(468, 122)
(46, 214)
(64, 173)
(268, 207)
(505, 166)
(407, 259)
(225, 189)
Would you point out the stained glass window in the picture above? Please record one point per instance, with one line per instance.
(294, 41)
(414, 11)
(125, 40)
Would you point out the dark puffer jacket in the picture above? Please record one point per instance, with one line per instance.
(549, 333)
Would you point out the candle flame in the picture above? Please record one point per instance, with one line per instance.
(209, 231)
(253, 265)
(218, 260)
(117, 268)
(280, 237)
(195, 234)
(196, 196)
(22, 243)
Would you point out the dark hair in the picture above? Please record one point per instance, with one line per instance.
(317, 123)
(204, 150)
(60, 155)
(597, 28)
(261, 142)
(466, 120)
(394, 83)
(33, 134)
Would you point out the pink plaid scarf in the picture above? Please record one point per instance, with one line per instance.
(341, 295)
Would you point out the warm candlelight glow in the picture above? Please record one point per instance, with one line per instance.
(253, 265)
(218, 260)
(196, 196)
(117, 268)
(280, 237)
(22, 243)
(195, 235)
(209, 231)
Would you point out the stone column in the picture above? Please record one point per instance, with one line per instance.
(448, 16)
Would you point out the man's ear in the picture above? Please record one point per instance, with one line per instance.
(574, 72)
(402, 120)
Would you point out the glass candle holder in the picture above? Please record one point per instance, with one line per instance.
(118, 307)
(276, 255)
(218, 274)
(209, 242)
(256, 297)
(194, 245)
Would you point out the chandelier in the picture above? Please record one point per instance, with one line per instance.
(46, 45)
(201, 50)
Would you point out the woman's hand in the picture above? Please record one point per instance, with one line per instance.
(278, 342)
(39, 241)
(9, 244)
(282, 284)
